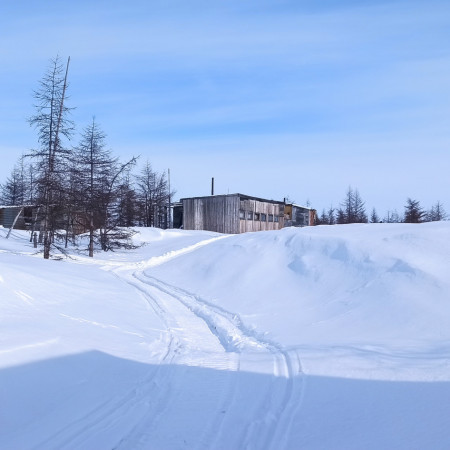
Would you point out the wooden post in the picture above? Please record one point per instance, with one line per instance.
(33, 227)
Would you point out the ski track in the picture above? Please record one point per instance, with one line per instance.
(200, 334)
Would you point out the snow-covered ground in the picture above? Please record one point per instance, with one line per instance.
(316, 338)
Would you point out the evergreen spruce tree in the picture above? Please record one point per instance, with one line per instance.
(331, 216)
(359, 209)
(323, 220)
(374, 216)
(413, 212)
(340, 216)
(353, 208)
(436, 213)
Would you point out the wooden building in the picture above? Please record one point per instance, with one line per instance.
(299, 216)
(28, 218)
(9, 213)
(237, 213)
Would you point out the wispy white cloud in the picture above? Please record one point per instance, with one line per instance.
(319, 85)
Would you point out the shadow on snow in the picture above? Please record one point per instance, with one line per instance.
(95, 400)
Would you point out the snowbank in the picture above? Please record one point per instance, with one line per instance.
(325, 337)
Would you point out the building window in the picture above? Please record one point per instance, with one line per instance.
(263, 217)
(249, 215)
(270, 217)
(241, 214)
(256, 216)
(276, 219)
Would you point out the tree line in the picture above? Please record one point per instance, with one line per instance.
(82, 187)
(352, 210)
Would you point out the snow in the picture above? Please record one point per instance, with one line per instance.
(321, 337)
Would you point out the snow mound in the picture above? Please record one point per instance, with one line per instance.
(360, 290)
(324, 337)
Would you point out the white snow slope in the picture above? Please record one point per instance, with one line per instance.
(316, 338)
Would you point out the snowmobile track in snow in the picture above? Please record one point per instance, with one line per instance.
(196, 325)
(253, 370)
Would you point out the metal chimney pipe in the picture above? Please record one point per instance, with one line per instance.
(212, 186)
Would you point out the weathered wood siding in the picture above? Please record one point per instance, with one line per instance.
(257, 214)
(312, 217)
(238, 213)
(218, 213)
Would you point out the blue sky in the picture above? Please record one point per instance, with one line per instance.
(272, 98)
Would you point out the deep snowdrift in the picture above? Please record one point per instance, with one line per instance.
(372, 290)
(325, 337)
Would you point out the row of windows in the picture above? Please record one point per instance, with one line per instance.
(250, 215)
